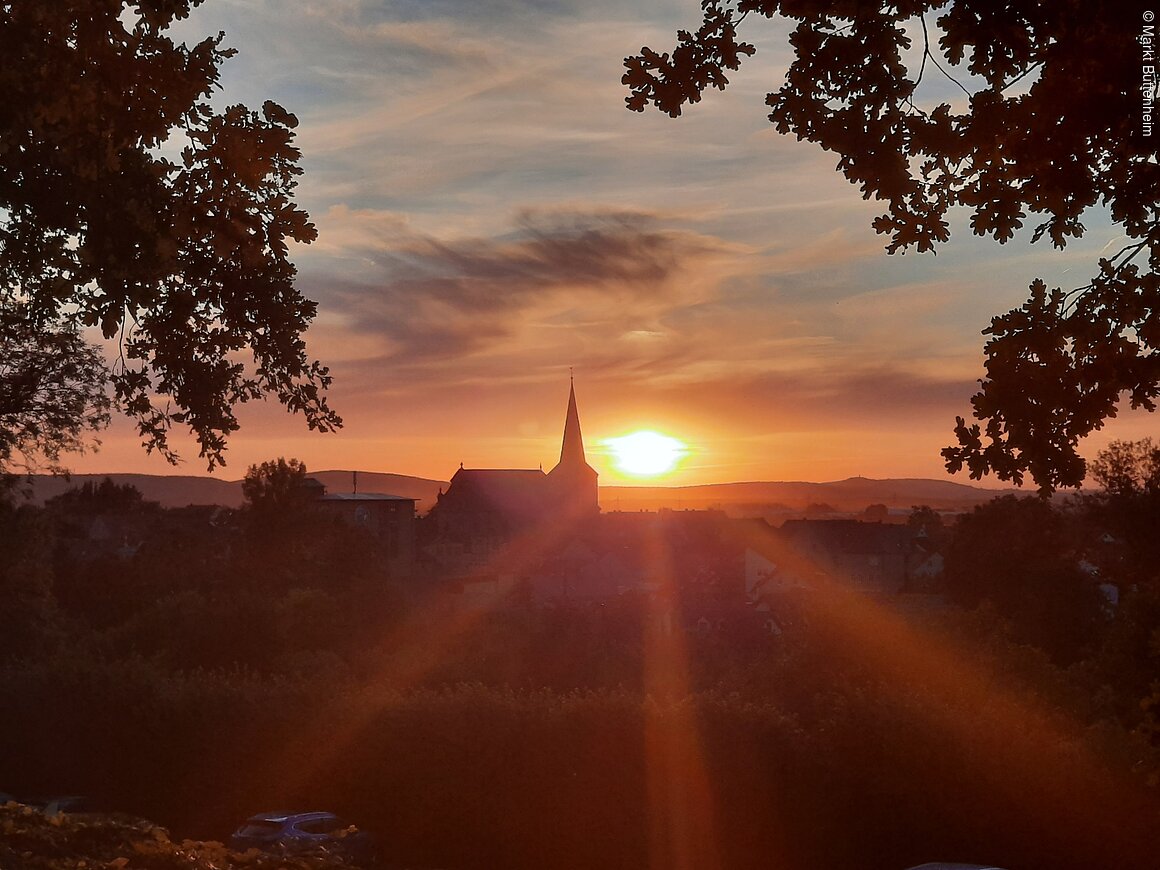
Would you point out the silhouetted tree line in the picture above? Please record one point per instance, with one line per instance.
(227, 663)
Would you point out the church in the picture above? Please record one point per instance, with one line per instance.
(483, 509)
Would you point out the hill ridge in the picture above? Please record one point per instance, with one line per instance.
(851, 494)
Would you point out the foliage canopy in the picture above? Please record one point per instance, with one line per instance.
(1128, 507)
(1053, 128)
(52, 394)
(1128, 468)
(128, 203)
(1021, 555)
(276, 486)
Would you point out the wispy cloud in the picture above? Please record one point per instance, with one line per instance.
(489, 214)
(430, 299)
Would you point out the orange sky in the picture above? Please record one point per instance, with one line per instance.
(490, 215)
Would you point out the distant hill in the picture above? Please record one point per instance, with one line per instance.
(757, 497)
(182, 490)
(169, 490)
(852, 495)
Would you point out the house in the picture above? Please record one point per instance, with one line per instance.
(870, 557)
(390, 519)
(582, 572)
(925, 568)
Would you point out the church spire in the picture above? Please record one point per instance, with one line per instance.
(572, 450)
(573, 481)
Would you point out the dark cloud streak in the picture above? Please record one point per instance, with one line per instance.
(433, 299)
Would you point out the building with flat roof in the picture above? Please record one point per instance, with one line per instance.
(388, 518)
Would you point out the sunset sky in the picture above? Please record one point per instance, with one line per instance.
(490, 215)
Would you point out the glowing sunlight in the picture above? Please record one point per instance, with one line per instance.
(646, 453)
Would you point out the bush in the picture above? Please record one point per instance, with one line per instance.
(33, 840)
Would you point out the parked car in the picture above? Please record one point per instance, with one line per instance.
(71, 803)
(304, 832)
(50, 806)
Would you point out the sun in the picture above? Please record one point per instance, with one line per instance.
(646, 453)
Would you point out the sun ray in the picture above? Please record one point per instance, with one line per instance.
(682, 802)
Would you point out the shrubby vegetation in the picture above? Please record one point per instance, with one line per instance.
(207, 675)
(33, 840)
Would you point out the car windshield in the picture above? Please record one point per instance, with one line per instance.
(322, 826)
(258, 828)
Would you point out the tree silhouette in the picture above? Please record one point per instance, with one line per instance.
(276, 486)
(52, 394)
(1128, 468)
(1128, 505)
(1054, 128)
(1022, 555)
(129, 204)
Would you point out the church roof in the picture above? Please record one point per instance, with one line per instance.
(501, 475)
(507, 490)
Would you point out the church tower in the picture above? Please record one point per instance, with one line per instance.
(573, 480)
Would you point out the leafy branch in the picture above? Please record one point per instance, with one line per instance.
(1058, 366)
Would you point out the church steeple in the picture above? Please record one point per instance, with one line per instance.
(573, 480)
(572, 449)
